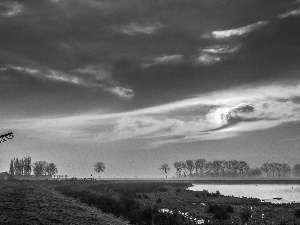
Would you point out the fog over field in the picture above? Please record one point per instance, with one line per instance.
(137, 84)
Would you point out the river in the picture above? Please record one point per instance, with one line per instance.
(266, 192)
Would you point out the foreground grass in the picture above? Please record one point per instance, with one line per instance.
(80, 202)
(36, 203)
(141, 203)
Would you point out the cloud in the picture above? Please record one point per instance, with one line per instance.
(228, 114)
(293, 13)
(216, 53)
(225, 34)
(123, 92)
(9, 9)
(166, 59)
(97, 72)
(136, 29)
(89, 76)
(103, 75)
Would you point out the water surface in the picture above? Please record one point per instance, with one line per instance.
(288, 192)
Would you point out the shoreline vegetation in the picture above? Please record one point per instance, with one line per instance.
(143, 202)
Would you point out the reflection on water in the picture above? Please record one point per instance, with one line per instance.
(288, 192)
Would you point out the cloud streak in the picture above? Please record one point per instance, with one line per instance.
(241, 31)
(231, 112)
(134, 29)
(89, 76)
(216, 53)
(292, 13)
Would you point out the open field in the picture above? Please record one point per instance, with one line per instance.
(140, 202)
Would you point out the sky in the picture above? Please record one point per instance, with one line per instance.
(138, 83)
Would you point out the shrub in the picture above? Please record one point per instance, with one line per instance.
(245, 215)
(146, 196)
(178, 190)
(162, 189)
(297, 213)
(220, 212)
(158, 200)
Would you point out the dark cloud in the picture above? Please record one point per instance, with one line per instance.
(70, 36)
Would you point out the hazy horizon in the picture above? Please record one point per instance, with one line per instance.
(136, 84)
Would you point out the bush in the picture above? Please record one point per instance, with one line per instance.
(297, 213)
(162, 189)
(220, 212)
(158, 200)
(245, 215)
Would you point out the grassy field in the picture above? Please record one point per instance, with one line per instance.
(31, 203)
(138, 202)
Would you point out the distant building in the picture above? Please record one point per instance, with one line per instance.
(4, 176)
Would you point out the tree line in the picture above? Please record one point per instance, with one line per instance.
(24, 166)
(228, 169)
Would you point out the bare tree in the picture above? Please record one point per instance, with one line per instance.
(51, 169)
(11, 169)
(286, 169)
(7, 136)
(165, 168)
(99, 167)
(178, 167)
(296, 170)
(265, 168)
(200, 166)
(39, 168)
(190, 166)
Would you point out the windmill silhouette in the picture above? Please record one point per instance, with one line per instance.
(6, 137)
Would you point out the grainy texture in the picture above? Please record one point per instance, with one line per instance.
(35, 203)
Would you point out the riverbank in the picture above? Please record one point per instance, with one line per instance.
(24, 202)
(140, 202)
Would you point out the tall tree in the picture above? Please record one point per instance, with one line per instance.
(51, 169)
(200, 166)
(243, 167)
(266, 168)
(190, 166)
(99, 167)
(11, 169)
(296, 170)
(286, 169)
(165, 168)
(39, 168)
(178, 167)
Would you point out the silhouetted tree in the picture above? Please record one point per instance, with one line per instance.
(39, 168)
(11, 169)
(178, 167)
(99, 167)
(190, 166)
(296, 170)
(200, 166)
(51, 169)
(266, 168)
(165, 168)
(286, 169)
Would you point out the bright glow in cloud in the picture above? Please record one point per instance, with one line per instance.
(216, 53)
(224, 34)
(229, 113)
(122, 92)
(295, 12)
(136, 29)
(11, 9)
